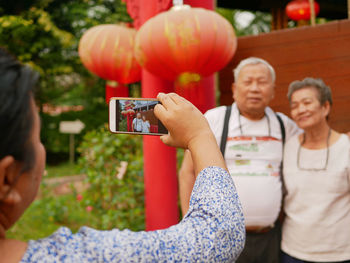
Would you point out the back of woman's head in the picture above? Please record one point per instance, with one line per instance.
(16, 115)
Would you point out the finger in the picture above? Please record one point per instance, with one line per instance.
(166, 100)
(166, 139)
(160, 96)
(160, 112)
(177, 98)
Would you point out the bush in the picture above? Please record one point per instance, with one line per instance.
(118, 202)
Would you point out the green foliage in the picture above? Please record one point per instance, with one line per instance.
(64, 169)
(45, 34)
(48, 213)
(108, 203)
(258, 22)
(118, 202)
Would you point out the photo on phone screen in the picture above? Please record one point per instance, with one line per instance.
(134, 116)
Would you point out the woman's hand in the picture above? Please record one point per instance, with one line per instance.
(185, 123)
(188, 128)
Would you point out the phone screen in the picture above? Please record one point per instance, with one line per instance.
(134, 116)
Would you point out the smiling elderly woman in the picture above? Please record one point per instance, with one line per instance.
(213, 229)
(317, 178)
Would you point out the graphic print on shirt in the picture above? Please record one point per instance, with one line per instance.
(253, 155)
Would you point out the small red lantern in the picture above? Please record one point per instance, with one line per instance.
(301, 10)
(185, 44)
(108, 51)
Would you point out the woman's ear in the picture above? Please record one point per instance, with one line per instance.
(327, 108)
(8, 175)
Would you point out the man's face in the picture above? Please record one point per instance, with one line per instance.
(254, 89)
(138, 115)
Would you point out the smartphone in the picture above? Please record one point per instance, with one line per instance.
(134, 116)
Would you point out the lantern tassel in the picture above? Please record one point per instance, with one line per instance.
(115, 89)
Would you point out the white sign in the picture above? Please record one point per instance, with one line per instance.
(72, 127)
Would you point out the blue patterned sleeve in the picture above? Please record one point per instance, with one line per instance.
(212, 231)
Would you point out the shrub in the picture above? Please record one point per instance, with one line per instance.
(118, 202)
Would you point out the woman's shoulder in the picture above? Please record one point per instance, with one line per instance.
(59, 243)
(342, 140)
(86, 245)
(294, 140)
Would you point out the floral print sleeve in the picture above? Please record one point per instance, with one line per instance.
(212, 231)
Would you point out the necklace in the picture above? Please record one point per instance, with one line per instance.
(327, 155)
(240, 125)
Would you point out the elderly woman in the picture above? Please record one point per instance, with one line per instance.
(317, 179)
(145, 124)
(213, 230)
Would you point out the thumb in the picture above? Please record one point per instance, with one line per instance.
(166, 139)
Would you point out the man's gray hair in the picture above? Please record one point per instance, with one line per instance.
(324, 92)
(254, 61)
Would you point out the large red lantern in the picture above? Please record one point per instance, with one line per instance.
(185, 44)
(108, 51)
(301, 10)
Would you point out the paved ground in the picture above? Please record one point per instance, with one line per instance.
(65, 184)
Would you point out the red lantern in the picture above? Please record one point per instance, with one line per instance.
(185, 44)
(108, 51)
(300, 10)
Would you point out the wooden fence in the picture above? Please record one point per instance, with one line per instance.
(322, 51)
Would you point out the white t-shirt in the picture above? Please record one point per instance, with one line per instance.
(317, 204)
(253, 159)
(145, 126)
(137, 124)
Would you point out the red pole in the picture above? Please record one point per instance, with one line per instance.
(159, 160)
(159, 167)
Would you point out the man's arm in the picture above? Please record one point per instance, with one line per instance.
(187, 179)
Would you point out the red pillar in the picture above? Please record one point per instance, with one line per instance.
(159, 167)
(160, 160)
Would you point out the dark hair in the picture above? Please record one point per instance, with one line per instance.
(16, 116)
(323, 91)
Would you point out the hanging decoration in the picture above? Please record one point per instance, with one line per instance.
(185, 44)
(129, 113)
(108, 51)
(301, 9)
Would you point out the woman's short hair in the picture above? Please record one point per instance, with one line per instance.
(324, 92)
(254, 61)
(16, 117)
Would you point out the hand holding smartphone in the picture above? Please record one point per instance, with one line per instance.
(134, 116)
(187, 126)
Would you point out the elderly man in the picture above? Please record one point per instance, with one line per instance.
(137, 123)
(251, 137)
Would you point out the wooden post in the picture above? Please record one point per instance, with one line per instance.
(279, 19)
(71, 148)
(312, 12)
(348, 9)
